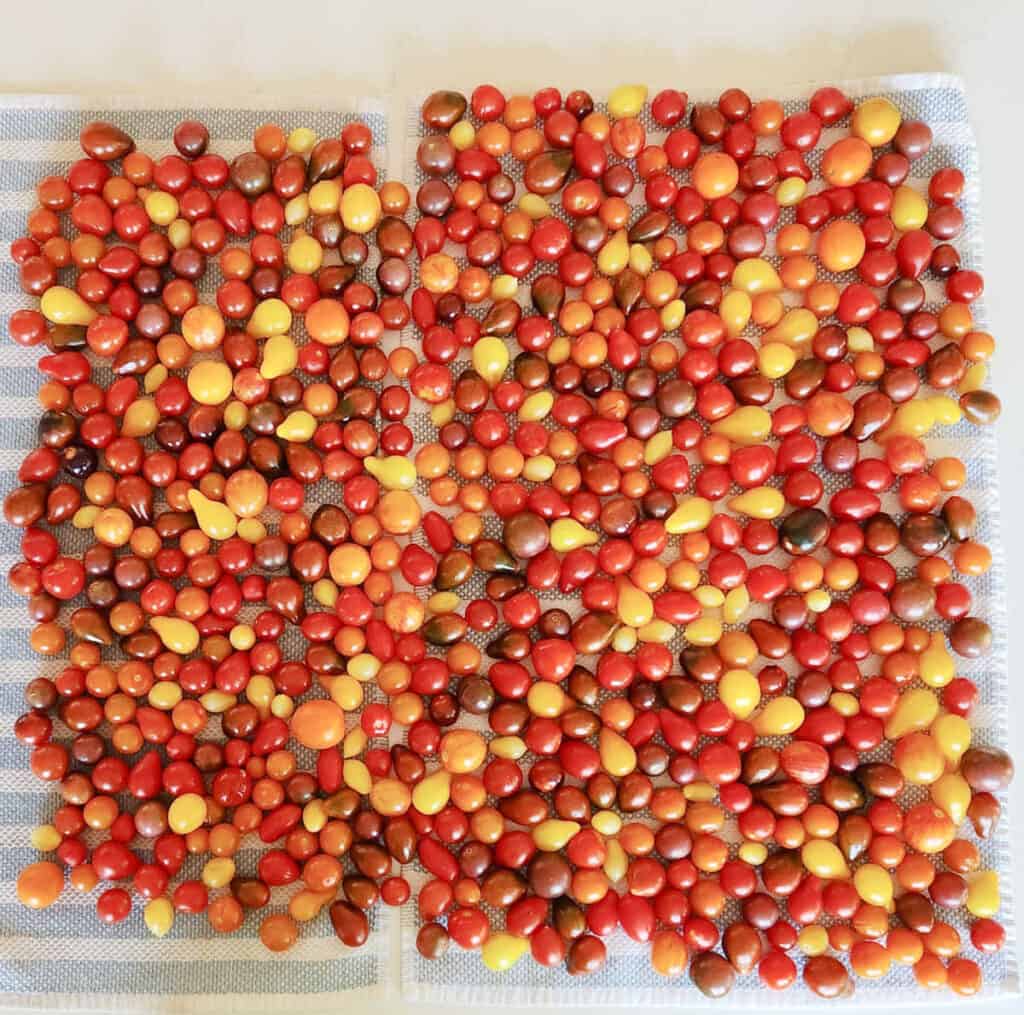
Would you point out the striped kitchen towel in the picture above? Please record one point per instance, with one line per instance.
(65, 958)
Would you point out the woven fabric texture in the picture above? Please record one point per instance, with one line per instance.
(628, 978)
(65, 958)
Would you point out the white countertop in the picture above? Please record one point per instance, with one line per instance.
(219, 49)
